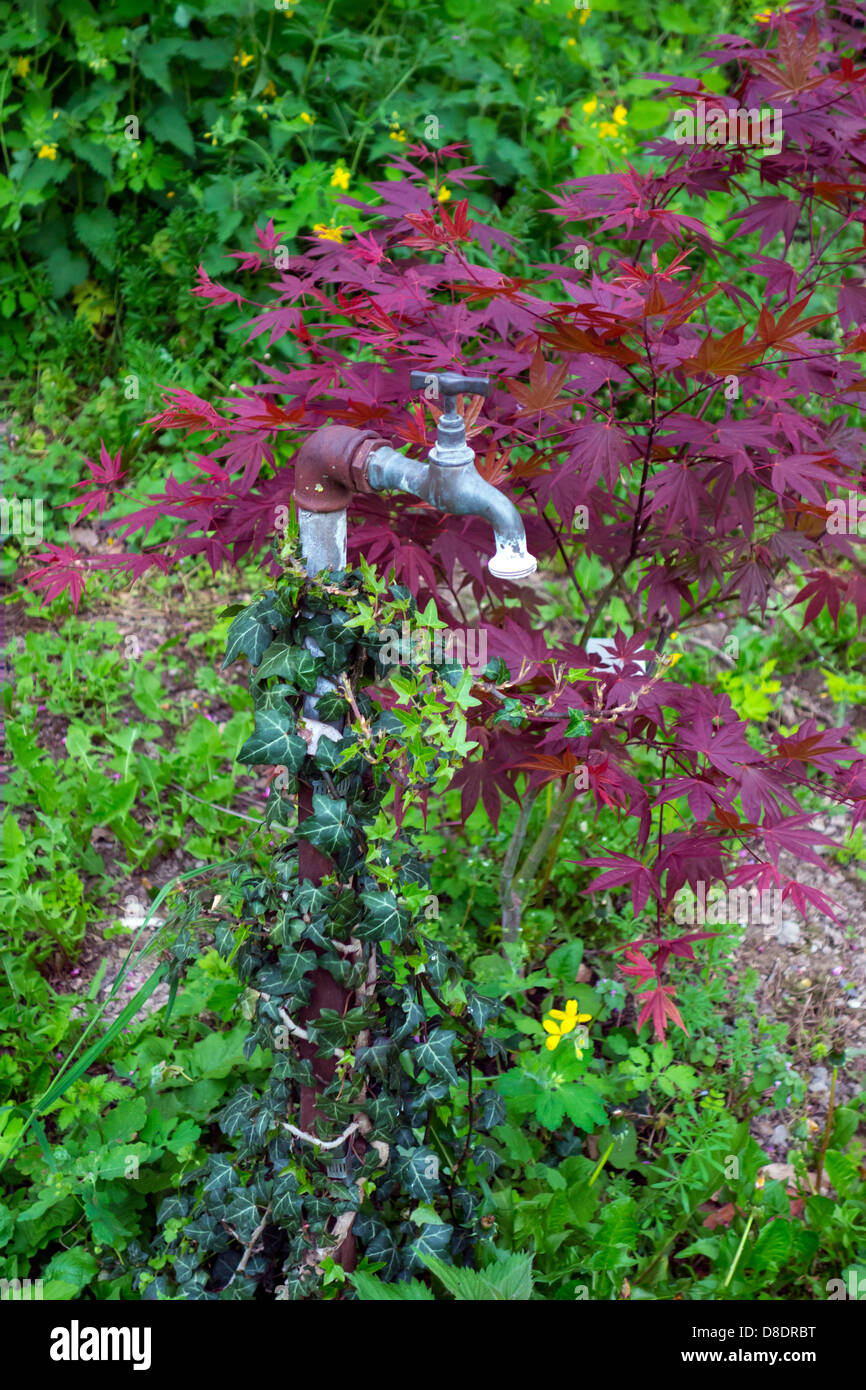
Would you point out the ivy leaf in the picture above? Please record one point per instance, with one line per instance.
(242, 1212)
(433, 1240)
(272, 697)
(273, 742)
(418, 1171)
(220, 1175)
(236, 1112)
(492, 1110)
(414, 1018)
(298, 666)
(434, 1055)
(384, 920)
(248, 636)
(481, 1009)
(286, 1204)
(173, 1209)
(331, 827)
(294, 965)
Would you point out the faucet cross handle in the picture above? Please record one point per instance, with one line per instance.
(450, 430)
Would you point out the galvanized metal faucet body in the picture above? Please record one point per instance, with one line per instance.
(337, 460)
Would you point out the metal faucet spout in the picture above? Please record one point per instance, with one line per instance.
(337, 460)
(461, 491)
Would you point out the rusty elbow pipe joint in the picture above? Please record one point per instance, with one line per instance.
(331, 465)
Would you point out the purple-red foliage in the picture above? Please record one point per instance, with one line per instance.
(614, 392)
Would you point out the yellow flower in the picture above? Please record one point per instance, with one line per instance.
(245, 58)
(169, 194)
(570, 43)
(444, 194)
(607, 128)
(269, 91)
(589, 106)
(397, 135)
(48, 152)
(569, 1019)
(307, 118)
(22, 67)
(584, 15)
(325, 233)
(620, 115)
(340, 177)
(56, 114)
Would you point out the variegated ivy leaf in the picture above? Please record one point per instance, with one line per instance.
(272, 697)
(220, 1175)
(414, 1018)
(250, 634)
(434, 1054)
(418, 1171)
(384, 920)
(286, 1205)
(173, 1209)
(331, 827)
(273, 742)
(296, 665)
(237, 1110)
(242, 1212)
(433, 1240)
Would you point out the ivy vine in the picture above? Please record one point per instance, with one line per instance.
(398, 1163)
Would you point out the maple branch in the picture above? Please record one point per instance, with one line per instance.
(508, 900)
(534, 859)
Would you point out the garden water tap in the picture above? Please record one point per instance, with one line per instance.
(336, 461)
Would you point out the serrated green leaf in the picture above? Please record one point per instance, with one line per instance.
(97, 231)
(373, 1290)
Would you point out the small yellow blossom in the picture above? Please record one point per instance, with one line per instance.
(444, 194)
(22, 67)
(245, 58)
(620, 115)
(584, 16)
(169, 194)
(569, 1019)
(570, 43)
(326, 233)
(606, 129)
(589, 106)
(56, 114)
(307, 118)
(397, 135)
(340, 177)
(48, 152)
(269, 91)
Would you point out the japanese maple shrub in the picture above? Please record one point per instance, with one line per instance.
(677, 396)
